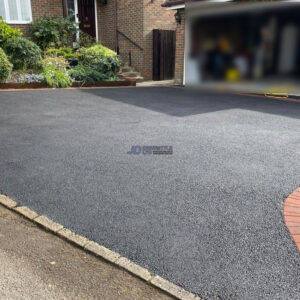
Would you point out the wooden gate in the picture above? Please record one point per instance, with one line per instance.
(163, 54)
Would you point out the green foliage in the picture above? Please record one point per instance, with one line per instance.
(56, 78)
(5, 66)
(54, 32)
(7, 32)
(86, 40)
(100, 59)
(96, 52)
(55, 71)
(65, 52)
(58, 62)
(86, 73)
(22, 53)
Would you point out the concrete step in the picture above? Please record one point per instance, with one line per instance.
(131, 74)
(127, 69)
(140, 79)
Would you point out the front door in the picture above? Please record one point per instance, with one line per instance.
(86, 16)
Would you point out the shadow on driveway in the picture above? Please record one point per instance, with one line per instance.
(182, 102)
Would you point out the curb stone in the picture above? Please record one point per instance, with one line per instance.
(4, 200)
(134, 268)
(99, 250)
(168, 286)
(48, 224)
(73, 237)
(25, 211)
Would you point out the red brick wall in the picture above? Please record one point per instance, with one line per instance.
(106, 24)
(40, 8)
(179, 57)
(130, 22)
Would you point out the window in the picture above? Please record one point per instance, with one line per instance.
(16, 11)
(71, 7)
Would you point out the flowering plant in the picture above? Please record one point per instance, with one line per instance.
(30, 78)
(57, 62)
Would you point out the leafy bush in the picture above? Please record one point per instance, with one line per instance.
(7, 32)
(56, 78)
(100, 59)
(86, 73)
(86, 40)
(96, 52)
(22, 53)
(55, 71)
(58, 62)
(54, 32)
(5, 66)
(65, 52)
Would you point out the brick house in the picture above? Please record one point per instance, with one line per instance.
(266, 33)
(125, 26)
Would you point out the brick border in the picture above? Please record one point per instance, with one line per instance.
(99, 250)
(291, 214)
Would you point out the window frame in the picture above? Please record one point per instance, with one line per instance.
(6, 8)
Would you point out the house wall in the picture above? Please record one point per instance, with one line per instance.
(41, 8)
(106, 24)
(130, 22)
(179, 56)
(136, 19)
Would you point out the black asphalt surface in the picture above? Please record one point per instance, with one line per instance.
(208, 217)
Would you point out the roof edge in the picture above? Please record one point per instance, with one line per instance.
(170, 3)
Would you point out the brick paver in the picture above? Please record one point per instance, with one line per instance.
(291, 212)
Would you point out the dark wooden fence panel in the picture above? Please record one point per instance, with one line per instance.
(163, 54)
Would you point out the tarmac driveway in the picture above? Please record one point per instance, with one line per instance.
(208, 217)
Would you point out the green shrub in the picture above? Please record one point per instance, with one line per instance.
(96, 51)
(65, 52)
(5, 66)
(86, 40)
(7, 32)
(86, 73)
(101, 59)
(54, 32)
(22, 53)
(58, 62)
(56, 78)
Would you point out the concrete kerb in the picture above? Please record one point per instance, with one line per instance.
(98, 250)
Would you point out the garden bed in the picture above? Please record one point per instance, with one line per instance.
(37, 85)
(48, 60)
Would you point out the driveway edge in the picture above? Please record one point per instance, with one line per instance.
(291, 215)
(99, 250)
